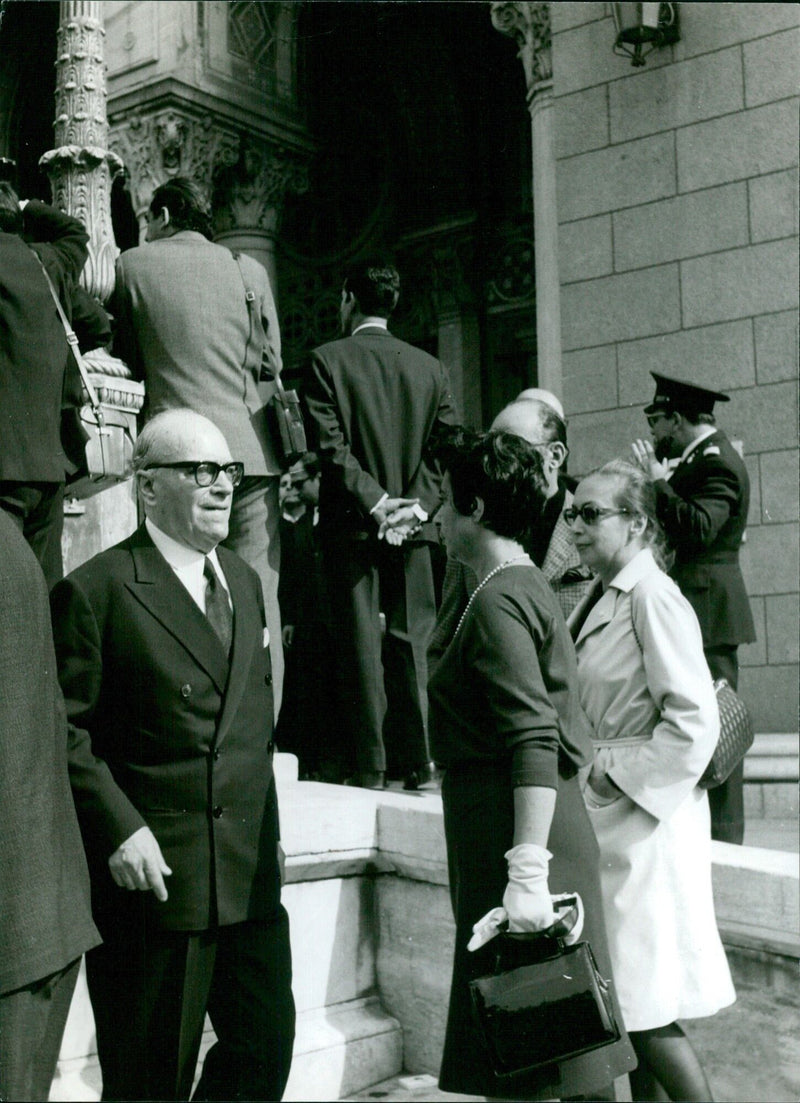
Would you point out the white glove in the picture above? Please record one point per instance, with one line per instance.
(527, 897)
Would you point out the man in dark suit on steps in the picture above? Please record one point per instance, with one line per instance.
(164, 662)
(45, 915)
(33, 359)
(702, 506)
(374, 402)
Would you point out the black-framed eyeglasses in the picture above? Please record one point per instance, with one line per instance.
(205, 472)
(590, 514)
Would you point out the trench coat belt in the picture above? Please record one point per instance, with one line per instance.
(623, 741)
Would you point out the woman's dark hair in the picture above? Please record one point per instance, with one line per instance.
(505, 472)
(635, 493)
(188, 206)
(376, 286)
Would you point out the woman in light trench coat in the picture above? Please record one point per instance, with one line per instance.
(646, 688)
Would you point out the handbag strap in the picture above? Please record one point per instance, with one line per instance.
(73, 343)
(257, 328)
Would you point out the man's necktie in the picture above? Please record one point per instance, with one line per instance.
(218, 608)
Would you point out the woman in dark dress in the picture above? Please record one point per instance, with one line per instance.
(508, 729)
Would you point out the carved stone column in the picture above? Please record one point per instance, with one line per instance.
(248, 197)
(80, 167)
(528, 23)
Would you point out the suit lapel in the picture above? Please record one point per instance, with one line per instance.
(247, 635)
(165, 598)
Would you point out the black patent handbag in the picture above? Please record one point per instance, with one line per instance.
(544, 1002)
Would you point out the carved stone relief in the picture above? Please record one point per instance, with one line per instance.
(528, 23)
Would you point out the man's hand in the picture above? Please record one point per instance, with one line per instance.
(287, 635)
(139, 864)
(645, 457)
(399, 525)
(389, 506)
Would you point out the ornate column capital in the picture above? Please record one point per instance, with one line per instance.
(157, 142)
(528, 23)
(249, 194)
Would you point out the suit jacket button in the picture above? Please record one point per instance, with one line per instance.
(186, 690)
(216, 755)
(267, 679)
(217, 811)
(270, 746)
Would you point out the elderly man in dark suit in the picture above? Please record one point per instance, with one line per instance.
(163, 660)
(375, 401)
(33, 359)
(538, 420)
(45, 916)
(188, 316)
(702, 506)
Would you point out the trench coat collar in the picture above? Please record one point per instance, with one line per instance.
(642, 565)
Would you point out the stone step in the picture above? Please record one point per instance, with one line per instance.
(339, 1051)
(774, 757)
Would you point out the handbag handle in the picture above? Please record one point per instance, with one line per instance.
(73, 343)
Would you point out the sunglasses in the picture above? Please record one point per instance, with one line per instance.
(206, 472)
(590, 514)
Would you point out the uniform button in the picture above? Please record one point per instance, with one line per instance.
(186, 690)
(217, 811)
(267, 679)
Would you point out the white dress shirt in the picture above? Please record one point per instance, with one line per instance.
(188, 564)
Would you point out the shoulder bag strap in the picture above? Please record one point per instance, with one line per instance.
(257, 328)
(73, 343)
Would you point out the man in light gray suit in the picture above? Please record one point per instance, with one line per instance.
(185, 326)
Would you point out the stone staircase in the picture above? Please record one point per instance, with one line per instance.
(366, 891)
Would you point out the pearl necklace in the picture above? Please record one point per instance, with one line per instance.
(495, 570)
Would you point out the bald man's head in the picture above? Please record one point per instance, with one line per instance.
(537, 394)
(538, 423)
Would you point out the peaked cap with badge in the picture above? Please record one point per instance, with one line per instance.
(678, 395)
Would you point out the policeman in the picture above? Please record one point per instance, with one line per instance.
(702, 503)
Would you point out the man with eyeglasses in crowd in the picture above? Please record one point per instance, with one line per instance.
(535, 415)
(702, 505)
(164, 663)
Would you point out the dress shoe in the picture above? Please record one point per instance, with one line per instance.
(425, 777)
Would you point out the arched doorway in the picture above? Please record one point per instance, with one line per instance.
(423, 150)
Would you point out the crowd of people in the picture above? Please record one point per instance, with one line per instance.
(453, 611)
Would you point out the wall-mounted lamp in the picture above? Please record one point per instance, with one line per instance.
(642, 28)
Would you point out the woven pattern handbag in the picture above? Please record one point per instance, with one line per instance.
(735, 731)
(735, 736)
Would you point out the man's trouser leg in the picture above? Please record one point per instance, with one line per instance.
(38, 510)
(727, 800)
(252, 1011)
(149, 990)
(32, 1022)
(254, 535)
(408, 600)
(351, 576)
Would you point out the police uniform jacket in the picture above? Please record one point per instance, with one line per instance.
(166, 732)
(703, 510)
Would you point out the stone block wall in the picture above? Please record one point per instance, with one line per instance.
(678, 252)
